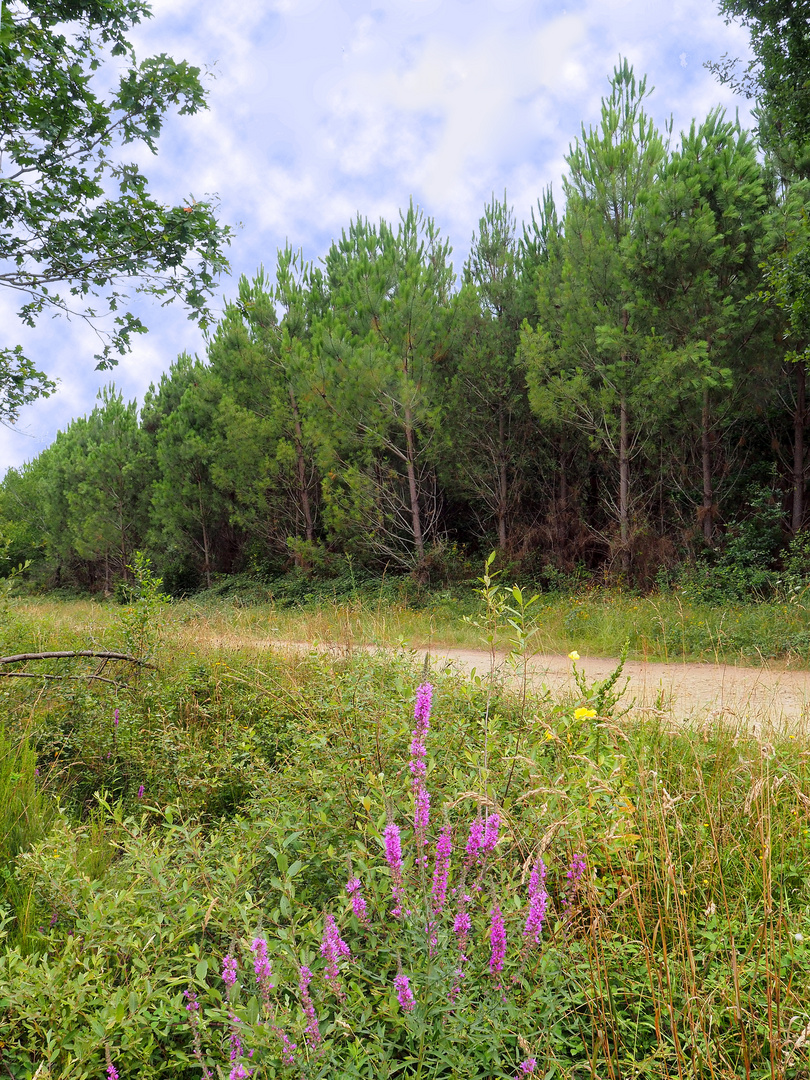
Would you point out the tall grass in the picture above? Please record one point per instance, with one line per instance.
(660, 627)
(682, 955)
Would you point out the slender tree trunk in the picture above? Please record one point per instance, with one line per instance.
(563, 503)
(410, 456)
(502, 480)
(624, 487)
(301, 466)
(706, 455)
(799, 416)
(206, 553)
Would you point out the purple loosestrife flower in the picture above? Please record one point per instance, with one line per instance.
(115, 718)
(311, 1032)
(421, 816)
(461, 928)
(140, 792)
(475, 841)
(261, 965)
(193, 1010)
(402, 985)
(497, 940)
(332, 948)
(491, 833)
(574, 876)
(538, 903)
(393, 856)
(239, 1072)
(418, 765)
(229, 971)
(421, 710)
(359, 909)
(441, 869)
(526, 1068)
(112, 1072)
(287, 1048)
(237, 1050)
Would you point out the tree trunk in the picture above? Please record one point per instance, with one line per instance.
(706, 454)
(410, 459)
(799, 415)
(624, 488)
(563, 501)
(301, 467)
(502, 480)
(206, 554)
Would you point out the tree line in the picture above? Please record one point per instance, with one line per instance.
(614, 386)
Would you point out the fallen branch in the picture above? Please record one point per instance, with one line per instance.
(59, 678)
(69, 654)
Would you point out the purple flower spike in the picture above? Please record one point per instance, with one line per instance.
(574, 876)
(262, 968)
(140, 791)
(229, 970)
(359, 909)
(497, 940)
(333, 947)
(418, 764)
(491, 833)
(402, 985)
(311, 1031)
(112, 1072)
(538, 903)
(115, 721)
(421, 818)
(441, 869)
(526, 1068)
(393, 856)
(476, 839)
(424, 698)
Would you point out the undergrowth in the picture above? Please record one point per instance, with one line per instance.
(159, 825)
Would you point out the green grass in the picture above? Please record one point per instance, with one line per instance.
(683, 955)
(662, 628)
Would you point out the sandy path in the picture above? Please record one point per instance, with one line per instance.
(757, 698)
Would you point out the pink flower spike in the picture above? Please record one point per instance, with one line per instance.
(402, 985)
(526, 1068)
(421, 818)
(491, 834)
(261, 965)
(441, 869)
(359, 909)
(424, 698)
(333, 947)
(393, 856)
(476, 838)
(497, 939)
(311, 1031)
(229, 970)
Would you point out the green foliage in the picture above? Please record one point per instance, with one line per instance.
(144, 597)
(25, 814)
(73, 215)
(693, 902)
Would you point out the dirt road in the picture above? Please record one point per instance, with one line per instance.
(756, 698)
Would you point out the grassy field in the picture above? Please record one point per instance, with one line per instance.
(661, 627)
(640, 907)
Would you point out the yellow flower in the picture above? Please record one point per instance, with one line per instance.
(549, 735)
(573, 655)
(584, 714)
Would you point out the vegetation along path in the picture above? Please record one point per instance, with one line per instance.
(757, 698)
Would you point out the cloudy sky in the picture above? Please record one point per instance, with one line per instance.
(320, 109)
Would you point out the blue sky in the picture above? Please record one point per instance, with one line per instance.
(320, 109)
